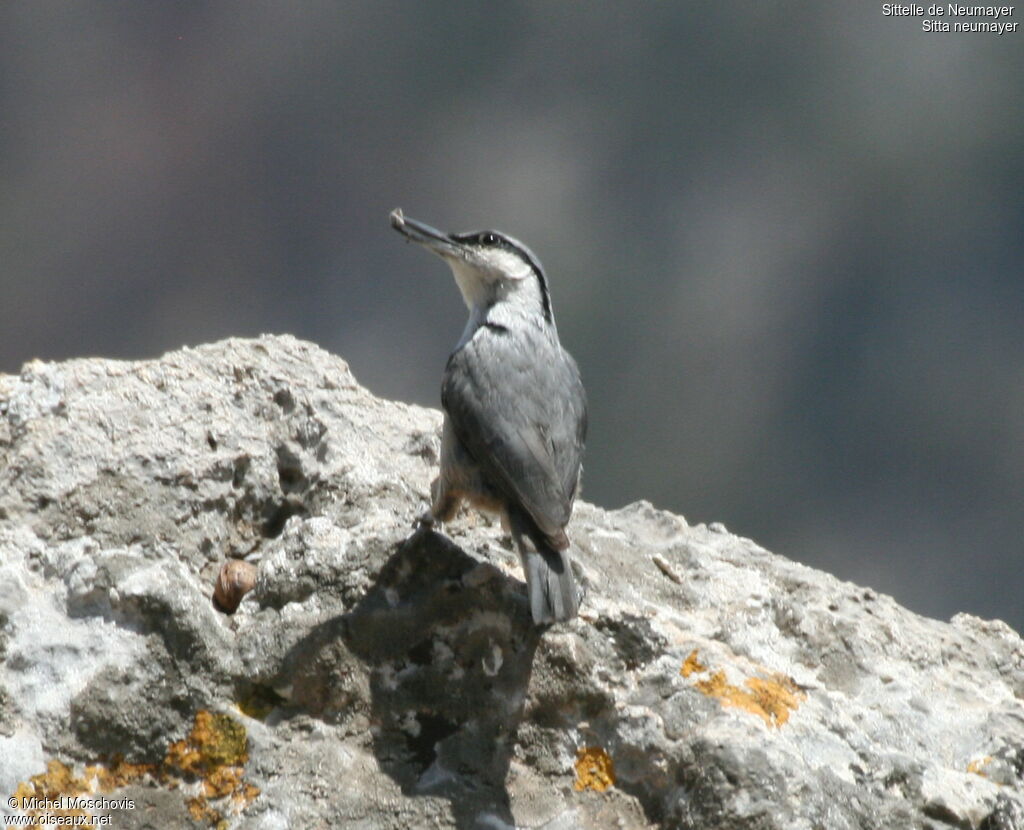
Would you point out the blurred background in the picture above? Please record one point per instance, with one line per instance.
(785, 240)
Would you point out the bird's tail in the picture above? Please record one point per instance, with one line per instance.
(549, 579)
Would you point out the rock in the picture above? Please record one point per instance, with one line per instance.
(377, 677)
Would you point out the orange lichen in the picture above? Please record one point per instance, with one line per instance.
(775, 697)
(215, 741)
(214, 754)
(118, 773)
(692, 665)
(977, 767)
(200, 810)
(594, 769)
(771, 698)
(51, 787)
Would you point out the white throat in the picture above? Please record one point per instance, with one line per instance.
(510, 303)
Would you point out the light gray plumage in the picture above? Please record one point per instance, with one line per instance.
(515, 411)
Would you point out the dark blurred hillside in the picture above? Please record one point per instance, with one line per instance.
(784, 241)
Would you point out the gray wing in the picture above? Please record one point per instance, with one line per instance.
(524, 423)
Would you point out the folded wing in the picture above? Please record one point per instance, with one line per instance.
(525, 428)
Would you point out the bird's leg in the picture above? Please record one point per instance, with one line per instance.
(443, 505)
(509, 537)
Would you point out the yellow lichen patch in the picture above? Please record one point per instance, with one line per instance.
(692, 665)
(771, 698)
(200, 810)
(214, 754)
(106, 778)
(775, 697)
(51, 787)
(243, 796)
(594, 769)
(977, 767)
(215, 741)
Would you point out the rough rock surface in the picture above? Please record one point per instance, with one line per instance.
(377, 678)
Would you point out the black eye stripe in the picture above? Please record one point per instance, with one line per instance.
(488, 239)
(495, 239)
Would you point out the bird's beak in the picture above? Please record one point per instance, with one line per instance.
(430, 238)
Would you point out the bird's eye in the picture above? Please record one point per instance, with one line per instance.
(488, 239)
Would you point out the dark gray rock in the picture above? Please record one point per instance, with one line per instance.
(391, 678)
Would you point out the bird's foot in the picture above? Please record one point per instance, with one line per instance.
(425, 521)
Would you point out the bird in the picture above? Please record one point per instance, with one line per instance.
(515, 411)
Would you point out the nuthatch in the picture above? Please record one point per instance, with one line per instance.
(515, 414)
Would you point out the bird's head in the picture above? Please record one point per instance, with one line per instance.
(488, 266)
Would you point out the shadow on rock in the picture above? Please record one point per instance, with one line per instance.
(450, 645)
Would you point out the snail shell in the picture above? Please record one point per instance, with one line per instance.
(235, 580)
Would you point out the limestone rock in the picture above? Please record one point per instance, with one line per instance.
(377, 677)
